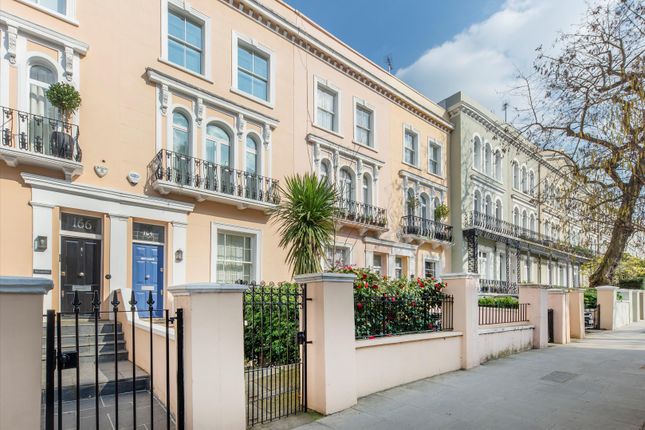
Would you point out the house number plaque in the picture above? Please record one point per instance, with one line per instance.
(80, 223)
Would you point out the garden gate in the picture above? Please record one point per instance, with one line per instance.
(92, 381)
(275, 353)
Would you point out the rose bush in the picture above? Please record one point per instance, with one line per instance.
(387, 306)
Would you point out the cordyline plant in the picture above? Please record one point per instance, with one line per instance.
(388, 306)
(305, 221)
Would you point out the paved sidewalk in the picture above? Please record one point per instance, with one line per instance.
(597, 383)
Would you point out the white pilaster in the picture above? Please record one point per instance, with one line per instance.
(178, 242)
(118, 251)
(42, 260)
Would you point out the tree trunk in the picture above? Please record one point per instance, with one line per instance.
(621, 232)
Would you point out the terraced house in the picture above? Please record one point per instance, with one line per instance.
(510, 221)
(191, 115)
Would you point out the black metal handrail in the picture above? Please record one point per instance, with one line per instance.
(490, 314)
(39, 134)
(431, 229)
(493, 224)
(361, 212)
(493, 286)
(194, 172)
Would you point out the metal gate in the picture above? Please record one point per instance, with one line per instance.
(92, 381)
(550, 324)
(275, 353)
(592, 318)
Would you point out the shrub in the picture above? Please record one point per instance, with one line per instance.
(441, 212)
(590, 297)
(64, 97)
(506, 302)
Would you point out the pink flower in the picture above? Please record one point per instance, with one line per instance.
(359, 306)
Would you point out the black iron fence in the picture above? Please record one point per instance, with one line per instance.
(388, 315)
(184, 170)
(275, 351)
(493, 224)
(490, 314)
(85, 360)
(592, 318)
(418, 226)
(361, 213)
(40, 135)
(492, 286)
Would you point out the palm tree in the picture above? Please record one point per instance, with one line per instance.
(305, 219)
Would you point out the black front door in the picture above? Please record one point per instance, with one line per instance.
(80, 271)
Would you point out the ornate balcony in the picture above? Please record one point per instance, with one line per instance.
(497, 226)
(360, 215)
(172, 172)
(414, 228)
(40, 141)
(492, 286)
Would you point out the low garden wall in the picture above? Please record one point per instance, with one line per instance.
(387, 362)
(496, 341)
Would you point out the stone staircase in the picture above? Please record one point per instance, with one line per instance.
(87, 363)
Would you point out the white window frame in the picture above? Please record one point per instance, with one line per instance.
(262, 49)
(333, 248)
(256, 247)
(378, 269)
(362, 104)
(185, 9)
(411, 130)
(437, 266)
(433, 143)
(318, 82)
(70, 10)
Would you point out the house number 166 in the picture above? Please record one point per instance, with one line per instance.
(82, 224)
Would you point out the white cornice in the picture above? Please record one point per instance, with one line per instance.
(43, 32)
(346, 152)
(207, 97)
(421, 180)
(487, 182)
(299, 37)
(105, 194)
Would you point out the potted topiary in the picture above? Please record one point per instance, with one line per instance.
(67, 100)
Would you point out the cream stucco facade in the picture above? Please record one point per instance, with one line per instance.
(191, 115)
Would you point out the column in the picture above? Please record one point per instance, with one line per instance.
(118, 252)
(642, 306)
(536, 297)
(21, 307)
(607, 303)
(464, 287)
(559, 301)
(213, 355)
(577, 313)
(42, 259)
(331, 355)
(636, 305)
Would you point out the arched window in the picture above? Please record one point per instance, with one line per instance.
(497, 164)
(532, 223)
(423, 205)
(547, 229)
(516, 217)
(516, 175)
(477, 202)
(324, 170)
(545, 196)
(488, 162)
(435, 203)
(346, 184)
(40, 78)
(532, 183)
(180, 133)
(218, 145)
(367, 189)
(498, 210)
(411, 202)
(525, 220)
(524, 181)
(252, 160)
(477, 153)
(488, 206)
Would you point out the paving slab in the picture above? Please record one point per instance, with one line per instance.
(595, 383)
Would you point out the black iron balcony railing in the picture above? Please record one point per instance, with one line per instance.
(39, 135)
(418, 226)
(184, 170)
(361, 213)
(492, 286)
(493, 224)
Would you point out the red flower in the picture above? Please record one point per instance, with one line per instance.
(364, 275)
(393, 299)
(366, 284)
(430, 326)
(375, 287)
(371, 337)
(413, 304)
(359, 306)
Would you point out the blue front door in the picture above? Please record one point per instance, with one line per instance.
(147, 276)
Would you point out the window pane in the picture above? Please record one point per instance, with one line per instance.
(363, 118)
(244, 82)
(56, 5)
(261, 66)
(194, 34)
(225, 154)
(176, 26)
(325, 119)
(211, 151)
(251, 162)
(180, 141)
(175, 52)
(362, 136)
(326, 100)
(193, 60)
(42, 74)
(244, 59)
(179, 120)
(260, 89)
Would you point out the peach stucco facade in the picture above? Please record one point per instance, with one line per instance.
(129, 178)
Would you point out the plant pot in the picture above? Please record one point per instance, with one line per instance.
(61, 144)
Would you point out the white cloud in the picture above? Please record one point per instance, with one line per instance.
(482, 61)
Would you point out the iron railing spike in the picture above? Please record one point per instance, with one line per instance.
(76, 303)
(133, 300)
(150, 301)
(115, 302)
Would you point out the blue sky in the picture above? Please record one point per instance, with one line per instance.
(440, 47)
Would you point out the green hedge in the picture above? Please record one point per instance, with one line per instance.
(590, 297)
(634, 284)
(499, 301)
